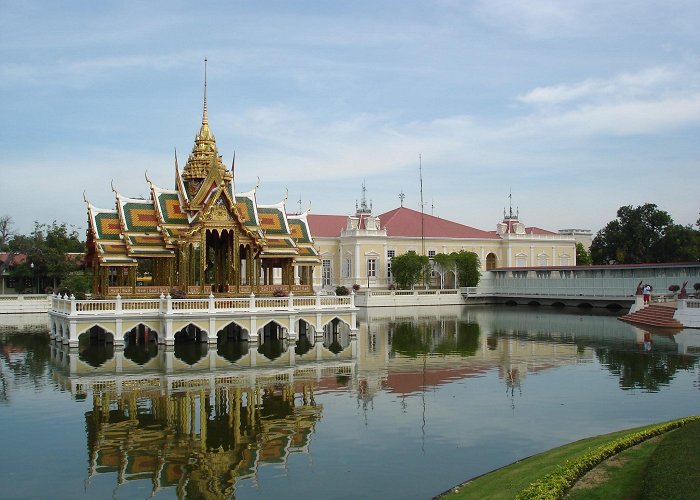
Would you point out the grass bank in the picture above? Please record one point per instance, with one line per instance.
(510, 481)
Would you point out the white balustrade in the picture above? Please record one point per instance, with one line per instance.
(168, 305)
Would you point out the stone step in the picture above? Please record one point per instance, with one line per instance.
(652, 315)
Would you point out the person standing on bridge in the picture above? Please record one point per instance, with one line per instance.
(646, 291)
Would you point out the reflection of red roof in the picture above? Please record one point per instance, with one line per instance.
(405, 222)
(328, 226)
(410, 382)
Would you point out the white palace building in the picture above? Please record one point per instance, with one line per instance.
(358, 249)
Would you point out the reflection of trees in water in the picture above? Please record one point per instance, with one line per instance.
(411, 339)
(24, 356)
(272, 348)
(232, 350)
(96, 355)
(303, 345)
(141, 353)
(190, 352)
(335, 347)
(640, 369)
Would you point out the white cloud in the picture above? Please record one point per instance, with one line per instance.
(625, 85)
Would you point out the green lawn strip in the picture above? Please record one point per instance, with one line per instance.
(555, 484)
(621, 476)
(674, 467)
(505, 483)
(549, 475)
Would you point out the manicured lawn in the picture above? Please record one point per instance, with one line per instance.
(621, 476)
(664, 467)
(505, 483)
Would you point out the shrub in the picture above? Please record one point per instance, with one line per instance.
(696, 286)
(279, 292)
(555, 484)
(178, 293)
(673, 288)
(392, 286)
(356, 287)
(342, 290)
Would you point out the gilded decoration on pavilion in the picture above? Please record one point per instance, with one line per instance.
(199, 238)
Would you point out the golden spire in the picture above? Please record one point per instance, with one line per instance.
(205, 119)
(204, 155)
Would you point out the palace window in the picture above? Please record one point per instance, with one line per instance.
(371, 268)
(326, 274)
(521, 260)
(564, 260)
(347, 267)
(431, 254)
(390, 255)
(542, 259)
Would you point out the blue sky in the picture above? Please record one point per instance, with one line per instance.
(577, 107)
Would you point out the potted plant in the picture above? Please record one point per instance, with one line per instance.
(279, 292)
(342, 290)
(674, 289)
(356, 287)
(696, 286)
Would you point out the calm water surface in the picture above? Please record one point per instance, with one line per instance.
(419, 401)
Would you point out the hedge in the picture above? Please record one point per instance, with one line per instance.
(555, 484)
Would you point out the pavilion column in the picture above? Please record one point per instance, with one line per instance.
(250, 266)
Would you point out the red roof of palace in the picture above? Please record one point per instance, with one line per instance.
(539, 230)
(18, 258)
(403, 221)
(328, 226)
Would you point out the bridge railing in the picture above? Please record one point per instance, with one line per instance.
(561, 287)
(73, 307)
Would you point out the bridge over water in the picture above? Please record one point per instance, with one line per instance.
(594, 286)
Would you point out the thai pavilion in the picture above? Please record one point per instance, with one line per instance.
(201, 237)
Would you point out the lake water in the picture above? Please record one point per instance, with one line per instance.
(422, 399)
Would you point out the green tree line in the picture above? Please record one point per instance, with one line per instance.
(48, 265)
(645, 234)
(411, 269)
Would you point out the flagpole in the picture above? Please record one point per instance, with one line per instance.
(422, 233)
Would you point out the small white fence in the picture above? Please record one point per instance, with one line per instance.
(393, 298)
(23, 304)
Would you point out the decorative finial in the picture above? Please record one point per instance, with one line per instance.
(510, 203)
(147, 179)
(257, 184)
(286, 196)
(84, 198)
(205, 119)
(112, 185)
(177, 167)
(401, 196)
(233, 163)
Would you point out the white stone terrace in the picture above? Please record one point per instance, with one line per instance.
(69, 317)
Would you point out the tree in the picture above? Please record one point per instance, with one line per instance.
(6, 232)
(409, 269)
(465, 265)
(46, 249)
(468, 265)
(583, 256)
(644, 234)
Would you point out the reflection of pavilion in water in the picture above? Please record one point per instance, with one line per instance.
(201, 428)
